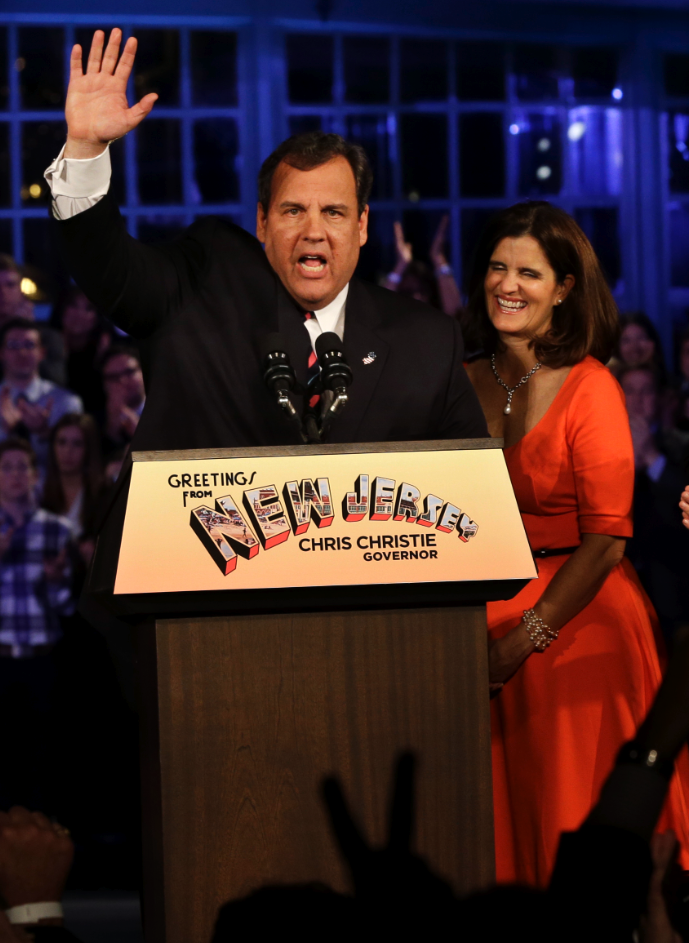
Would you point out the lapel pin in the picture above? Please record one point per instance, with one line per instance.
(370, 357)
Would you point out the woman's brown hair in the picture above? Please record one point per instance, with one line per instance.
(587, 321)
(92, 475)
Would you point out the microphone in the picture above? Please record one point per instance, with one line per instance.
(336, 374)
(278, 373)
(279, 377)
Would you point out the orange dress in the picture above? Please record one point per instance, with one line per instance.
(559, 722)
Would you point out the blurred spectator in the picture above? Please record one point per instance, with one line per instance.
(415, 278)
(660, 546)
(74, 484)
(35, 858)
(29, 405)
(86, 338)
(35, 581)
(14, 304)
(125, 396)
(683, 361)
(639, 344)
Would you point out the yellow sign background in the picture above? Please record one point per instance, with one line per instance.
(160, 551)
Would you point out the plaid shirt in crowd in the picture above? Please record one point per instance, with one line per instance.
(29, 603)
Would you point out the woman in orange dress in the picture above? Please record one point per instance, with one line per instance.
(573, 659)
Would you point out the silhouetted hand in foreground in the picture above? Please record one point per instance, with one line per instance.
(390, 882)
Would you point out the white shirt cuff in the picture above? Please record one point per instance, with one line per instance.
(76, 185)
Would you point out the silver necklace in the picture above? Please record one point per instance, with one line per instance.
(511, 391)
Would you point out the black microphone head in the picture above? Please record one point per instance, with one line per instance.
(328, 342)
(271, 343)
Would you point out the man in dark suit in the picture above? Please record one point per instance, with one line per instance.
(201, 306)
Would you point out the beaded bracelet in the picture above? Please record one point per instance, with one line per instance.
(538, 631)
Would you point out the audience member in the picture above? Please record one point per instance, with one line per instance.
(639, 344)
(413, 277)
(35, 588)
(682, 349)
(86, 337)
(35, 859)
(14, 304)
(29, 405)
(74, 484)
(125, 397)
(660, 546)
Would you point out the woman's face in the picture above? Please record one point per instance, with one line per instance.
(79, 317)
(636, 347)
(70, 450)
(521, 288)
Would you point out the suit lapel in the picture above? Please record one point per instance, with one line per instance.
(296, 338)
(360, 340)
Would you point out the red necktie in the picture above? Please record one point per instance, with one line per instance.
(312, 366)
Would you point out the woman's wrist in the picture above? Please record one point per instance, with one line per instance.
(539, 632)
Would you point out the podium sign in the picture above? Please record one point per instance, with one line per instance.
(331, 516)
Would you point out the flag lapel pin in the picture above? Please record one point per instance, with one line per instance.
(370, 357)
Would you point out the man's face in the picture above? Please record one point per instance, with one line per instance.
(312, 231)
(10, 294)
(21, 354)
(122, 376)
(17, 476)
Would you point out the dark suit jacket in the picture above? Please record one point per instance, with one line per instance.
(199, 308)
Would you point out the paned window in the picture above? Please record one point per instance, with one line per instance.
(465, 128)
(183, 161)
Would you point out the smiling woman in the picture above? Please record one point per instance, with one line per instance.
(545, 250)
(564, 707)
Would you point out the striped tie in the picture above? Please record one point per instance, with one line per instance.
(312, 366)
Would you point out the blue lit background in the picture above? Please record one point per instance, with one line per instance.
(462, 107)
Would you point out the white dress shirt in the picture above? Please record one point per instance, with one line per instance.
(77, 185)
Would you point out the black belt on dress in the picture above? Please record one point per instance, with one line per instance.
(554, 552)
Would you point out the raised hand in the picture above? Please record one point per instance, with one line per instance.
(10, 416)
(437, 250)
(391, 881)
(35, 417)
(402, 247)
(684, 505)
(97, 110)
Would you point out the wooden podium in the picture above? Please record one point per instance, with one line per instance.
(269, 658)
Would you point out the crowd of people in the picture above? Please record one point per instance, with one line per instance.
(71, 392)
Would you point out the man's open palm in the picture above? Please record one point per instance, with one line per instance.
(97, 110)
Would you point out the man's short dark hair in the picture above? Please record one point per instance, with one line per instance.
(18, 324)
(19, 445)
(118, 350)
(310, 150)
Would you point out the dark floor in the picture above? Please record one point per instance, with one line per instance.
(104, 916)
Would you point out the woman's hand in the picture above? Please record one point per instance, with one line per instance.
(506, 655)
